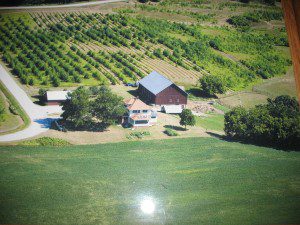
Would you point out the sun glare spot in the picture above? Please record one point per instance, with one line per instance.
(147, 206)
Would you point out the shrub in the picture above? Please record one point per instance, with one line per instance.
(46, 141)
(42, 92)
(171, 132)
(138, 134)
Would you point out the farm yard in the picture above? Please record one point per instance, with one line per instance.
(191, 181)
(113, 156)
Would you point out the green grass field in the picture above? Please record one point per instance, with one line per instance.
(211, 122)
(191, 181)
(10, 122)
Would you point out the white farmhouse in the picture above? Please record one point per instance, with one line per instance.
(139, 114)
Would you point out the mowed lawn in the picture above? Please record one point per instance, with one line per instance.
(191, 181)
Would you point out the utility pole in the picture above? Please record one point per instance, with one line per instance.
(291, 9)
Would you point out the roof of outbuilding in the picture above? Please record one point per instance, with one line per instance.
(155, 82)
(57, 95)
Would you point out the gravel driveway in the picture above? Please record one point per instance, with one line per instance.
(40, 116)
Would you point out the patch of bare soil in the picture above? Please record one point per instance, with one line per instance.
(200, 108)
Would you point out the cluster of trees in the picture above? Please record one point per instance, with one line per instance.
(44, 57)
(244, 21)
(212, 85)
(275, 123)
(199, 52)
(41, 58)
(95, 107)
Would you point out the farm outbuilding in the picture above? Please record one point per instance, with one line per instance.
(56, 97)
(159, 90)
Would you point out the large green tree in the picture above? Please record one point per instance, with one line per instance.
(187, 118)
(83, 109)
(212, 85)
(77, 108)
(108, 107)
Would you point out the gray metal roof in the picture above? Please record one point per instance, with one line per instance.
(57, 95)
(155, 82)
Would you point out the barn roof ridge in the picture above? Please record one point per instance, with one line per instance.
(155, 82)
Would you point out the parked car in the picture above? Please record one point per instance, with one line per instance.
(131, 84)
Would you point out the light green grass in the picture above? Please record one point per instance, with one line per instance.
(184, 38)
(211, 122)
(245, 99)
(284, 85)
(192, 181)
(8, 121)
(18, 109)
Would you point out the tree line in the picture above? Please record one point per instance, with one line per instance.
(276, 123)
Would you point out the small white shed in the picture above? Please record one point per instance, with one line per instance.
(172, 109)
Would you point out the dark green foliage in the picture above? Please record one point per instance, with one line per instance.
(276, 123)
(239, 21)
(212, 85)
(244, 1)
(108, 107)
(42, 93)
(82, 111)
(158, 53)
(187, 118)
(2, 112)
(94, 90)
(255, 16)
(269, 2)
(77, 108)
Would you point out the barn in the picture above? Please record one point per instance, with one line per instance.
(159, 90)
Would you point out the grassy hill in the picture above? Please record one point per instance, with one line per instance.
(192, 181)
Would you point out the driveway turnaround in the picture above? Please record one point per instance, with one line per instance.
(41, 116)
(62, 6)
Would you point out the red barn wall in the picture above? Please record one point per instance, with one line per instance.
(172, 95)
